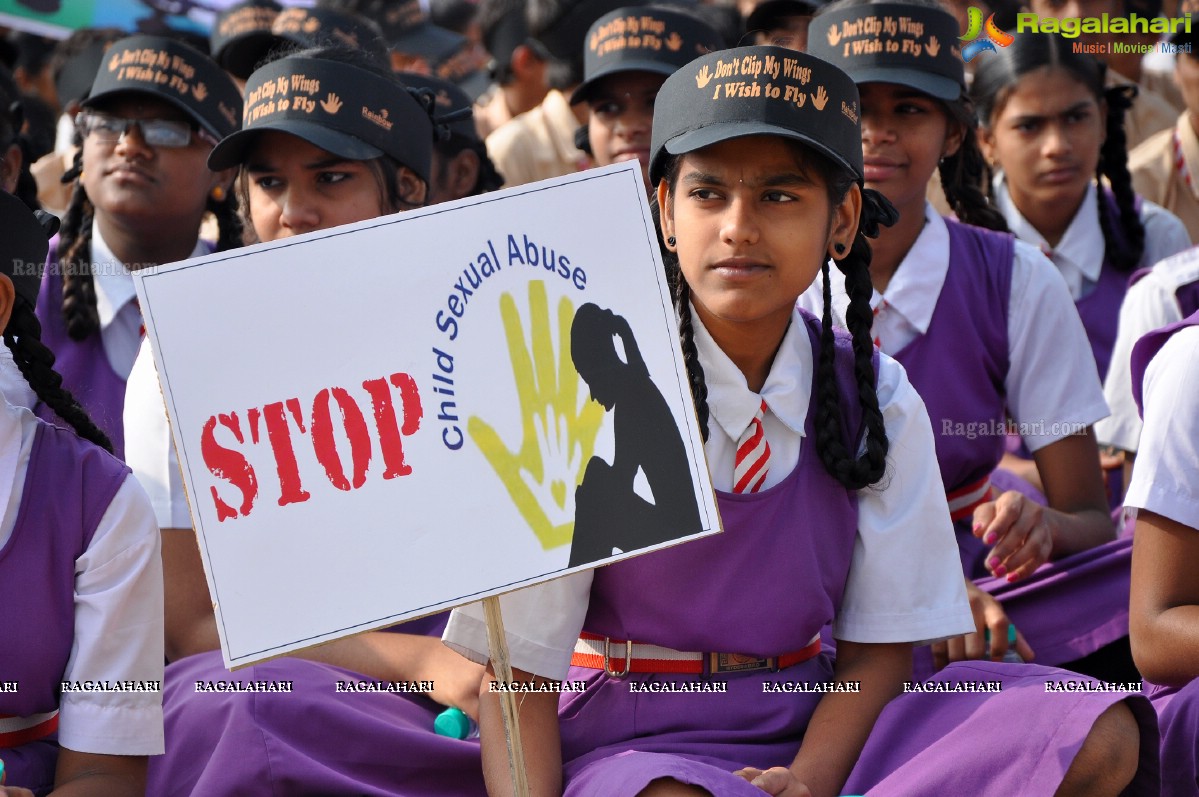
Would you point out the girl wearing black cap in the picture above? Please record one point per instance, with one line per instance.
(305, 167)
(1018, 350)
(757, 160)
(80, 575)
(141, 191)
(626, 56)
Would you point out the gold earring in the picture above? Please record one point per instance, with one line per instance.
(218, 194)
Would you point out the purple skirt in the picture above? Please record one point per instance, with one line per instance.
(311, 741)
(615, 741)
(1178, 714)
(31, 766)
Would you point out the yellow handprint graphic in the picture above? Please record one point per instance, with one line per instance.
(933, 47)
(820, 98)
(331, 103)
(558, 435)
(704, 77)
(834, 36)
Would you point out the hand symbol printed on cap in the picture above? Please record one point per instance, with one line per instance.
(200, 91)
(833, 37)
(704, 77)
(933, 47)
(675, 42)
(820, 98)
(331, 103)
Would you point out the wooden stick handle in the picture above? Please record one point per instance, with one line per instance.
(502, 666)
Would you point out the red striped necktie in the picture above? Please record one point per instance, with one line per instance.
(753, 456)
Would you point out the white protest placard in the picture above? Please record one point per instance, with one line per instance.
(387, 419)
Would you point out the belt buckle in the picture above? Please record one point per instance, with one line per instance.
(739, 662)
(628, 658)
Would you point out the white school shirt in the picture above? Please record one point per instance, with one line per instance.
(116, 305)
(13, 387)
(1079, 255)
(1149, 304)
(1052, 383)
(118, 609)
(905, 581)
(149, 448)
(1164, 478)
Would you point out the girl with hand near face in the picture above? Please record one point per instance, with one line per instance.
(141, 190)
(755, 196)
(952, 297)
(302, 172)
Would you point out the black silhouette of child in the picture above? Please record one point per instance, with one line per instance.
(608, 513)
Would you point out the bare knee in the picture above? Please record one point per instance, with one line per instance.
(669, 787)
(1109, 757)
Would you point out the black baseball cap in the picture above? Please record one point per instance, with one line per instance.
(338, 107)
(642, 39)
(564, 37)
(171, 71)
(23, 247)
(313, 27)
(242, 35)
(763, 90)
(409, 30)
(767, 14)
(914, 46)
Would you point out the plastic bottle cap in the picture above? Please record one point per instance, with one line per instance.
(453, 723)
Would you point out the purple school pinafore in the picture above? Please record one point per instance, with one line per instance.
(313, 740)
(1177, 707)
(1100, 309)
(959, 366)
(69, 485)
(766, 586)
(1070, 607)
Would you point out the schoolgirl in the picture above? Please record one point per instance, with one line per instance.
(1164, 294)
(460, 166)
(949, 294)
(301, 172)
(1165, 597)
(80, 574)
(141, 190)
(1056, 137)
(622, 73)
(755, 194)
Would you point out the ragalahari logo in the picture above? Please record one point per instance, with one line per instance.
(993, 35)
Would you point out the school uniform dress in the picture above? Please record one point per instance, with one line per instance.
(1163, 171)
(13, 387)
(538, 144)
(80, 602)
(1164, 294)
(985, 328)
(95, 369)
(1095, 285)
(803, 552)
(1166, 379)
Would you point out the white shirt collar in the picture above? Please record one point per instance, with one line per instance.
(916, 284)
(113, 280)
(1083, 245)
(787, 389)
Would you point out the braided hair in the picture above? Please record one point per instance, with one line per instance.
(23, 336)
(999, 72)
(842, 462)
(75, 259)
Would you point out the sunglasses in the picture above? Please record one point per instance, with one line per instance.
(155, 132)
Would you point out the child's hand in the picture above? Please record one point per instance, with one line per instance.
(988, 616)
(15, 791)
(1018, 530)
(777, 781)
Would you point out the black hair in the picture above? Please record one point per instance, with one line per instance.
(12, 115)
(79, 42)
(79, 309)
(489, 178)
(999, 73)
(494, 17)
(840, 460)
(23, 336)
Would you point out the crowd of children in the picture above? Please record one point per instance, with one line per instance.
(939, 325)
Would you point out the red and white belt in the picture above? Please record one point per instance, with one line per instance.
(16, 731)
(619, 657)
(964, 500)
